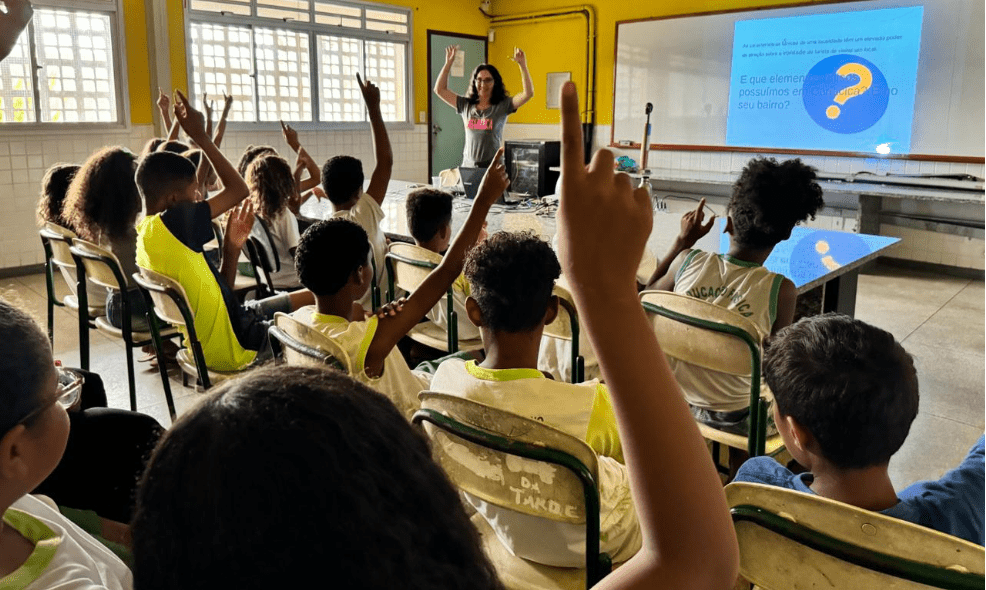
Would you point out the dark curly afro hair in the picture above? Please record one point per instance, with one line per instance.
(512, 276)
(769, 199)
(329, 253)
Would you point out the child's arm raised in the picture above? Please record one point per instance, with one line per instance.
(238, 226)
(381, 142)
(692, 230)
(221, 128)
(304, 162)
(688, 537)
(164, 107)
(234, 189)
(436, 284)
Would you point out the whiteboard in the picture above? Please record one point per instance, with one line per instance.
(682, 66)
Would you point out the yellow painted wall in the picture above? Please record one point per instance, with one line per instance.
(559, 45)
(138, 73)
(440, 15)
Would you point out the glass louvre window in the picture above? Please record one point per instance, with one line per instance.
(62, 69)
(303, 57)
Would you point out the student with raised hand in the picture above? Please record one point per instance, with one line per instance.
(332, 263)
(171, 240)
(12, 23)
(342, 182)
(688, 537)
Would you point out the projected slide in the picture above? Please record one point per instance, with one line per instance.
(839, 82)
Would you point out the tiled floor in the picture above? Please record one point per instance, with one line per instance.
(938, 319)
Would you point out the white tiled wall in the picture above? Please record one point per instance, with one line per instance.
(24, 159)
(919, 245)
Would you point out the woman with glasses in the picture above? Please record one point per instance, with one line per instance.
(485, 107)
(40, 548)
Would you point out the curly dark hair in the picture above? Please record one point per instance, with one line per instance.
(769, 199)
(251, 153)
(103, 199)
(152, 145)
(428, 211)
(174, 146)
(499, 92)
(849, 383)
(54, 187)
(329, 252)
(272, 185)
(512, 276)
(342, 178)
(162, 173)
(289, 475)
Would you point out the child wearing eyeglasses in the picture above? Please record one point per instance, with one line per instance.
(39, 547)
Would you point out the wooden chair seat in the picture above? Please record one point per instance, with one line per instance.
(430, 334)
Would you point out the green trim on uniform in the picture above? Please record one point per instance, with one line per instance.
(502, 374)
(684, 264)
(775, 295)
(45, 541)
(738, 262)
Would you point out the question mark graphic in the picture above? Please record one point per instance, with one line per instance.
(865, 81)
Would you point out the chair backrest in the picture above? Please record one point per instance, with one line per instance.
(566, 324)
(169, 298)
(102, 266)
(307, 347)
(789, 539)
(704, 334)
(270, 261)
(410, 264)
(58, 240)
(516, 463)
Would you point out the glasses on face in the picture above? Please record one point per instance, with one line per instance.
(68, 390)
(482, 81)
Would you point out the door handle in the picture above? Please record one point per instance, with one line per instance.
(435, 129)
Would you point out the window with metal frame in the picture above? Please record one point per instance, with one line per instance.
(65, 68)
(297, 60)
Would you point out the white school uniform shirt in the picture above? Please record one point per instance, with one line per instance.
(398, 382)
(285, 236)
(744, 287)
(439, 314)
(580, 410)
(64, 557)
(368, 215)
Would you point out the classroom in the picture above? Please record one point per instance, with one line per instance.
(356, 120)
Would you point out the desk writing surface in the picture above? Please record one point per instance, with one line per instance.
(812, 256)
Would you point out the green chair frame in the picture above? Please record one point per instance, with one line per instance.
(597, 564)
(147, 286)
(86, 254)
(317, 355)
(85, 320)
(785, 520)
(452, 317)
(578, 361)
(756, 440)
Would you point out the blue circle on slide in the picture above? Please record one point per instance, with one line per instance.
(823, 251)
(860, 111)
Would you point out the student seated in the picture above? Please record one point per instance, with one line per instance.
(348, 493)
(768, 200)
(102, 206)
(54, 186)
(511, 276)
(273, 192)
(381, 512)
(342, 182)
(846, 394)
(40, 548)
(332, 264)
(173, 233)
(429, 218)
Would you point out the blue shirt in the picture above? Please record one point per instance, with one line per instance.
(953, 504)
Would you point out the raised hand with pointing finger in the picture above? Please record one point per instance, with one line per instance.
(371, 94)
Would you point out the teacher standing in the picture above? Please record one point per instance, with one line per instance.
(485, 107)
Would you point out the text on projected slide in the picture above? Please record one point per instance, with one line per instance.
(836, 82)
